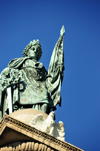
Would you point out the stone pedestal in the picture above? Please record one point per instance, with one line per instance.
(17, 135)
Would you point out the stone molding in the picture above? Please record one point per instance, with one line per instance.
(26, 146)
(40, 137)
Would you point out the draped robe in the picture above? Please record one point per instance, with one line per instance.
(40, 86)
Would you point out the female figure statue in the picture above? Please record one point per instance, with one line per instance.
(25, 83)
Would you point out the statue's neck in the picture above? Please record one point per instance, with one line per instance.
(33, 59)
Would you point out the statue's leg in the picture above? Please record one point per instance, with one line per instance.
(41, 107)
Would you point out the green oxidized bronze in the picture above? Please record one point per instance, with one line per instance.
(25, 83)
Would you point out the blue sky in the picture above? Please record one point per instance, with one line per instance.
(24, 20)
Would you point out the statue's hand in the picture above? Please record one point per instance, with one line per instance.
(62, 31)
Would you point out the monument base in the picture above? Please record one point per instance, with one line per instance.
(17, 135)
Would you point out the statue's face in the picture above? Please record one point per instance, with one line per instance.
(34, 51)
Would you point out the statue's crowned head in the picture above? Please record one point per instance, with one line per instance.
(32, 44)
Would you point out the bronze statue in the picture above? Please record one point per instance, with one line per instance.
(25, 83)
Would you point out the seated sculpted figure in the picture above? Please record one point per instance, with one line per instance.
(25, 83)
